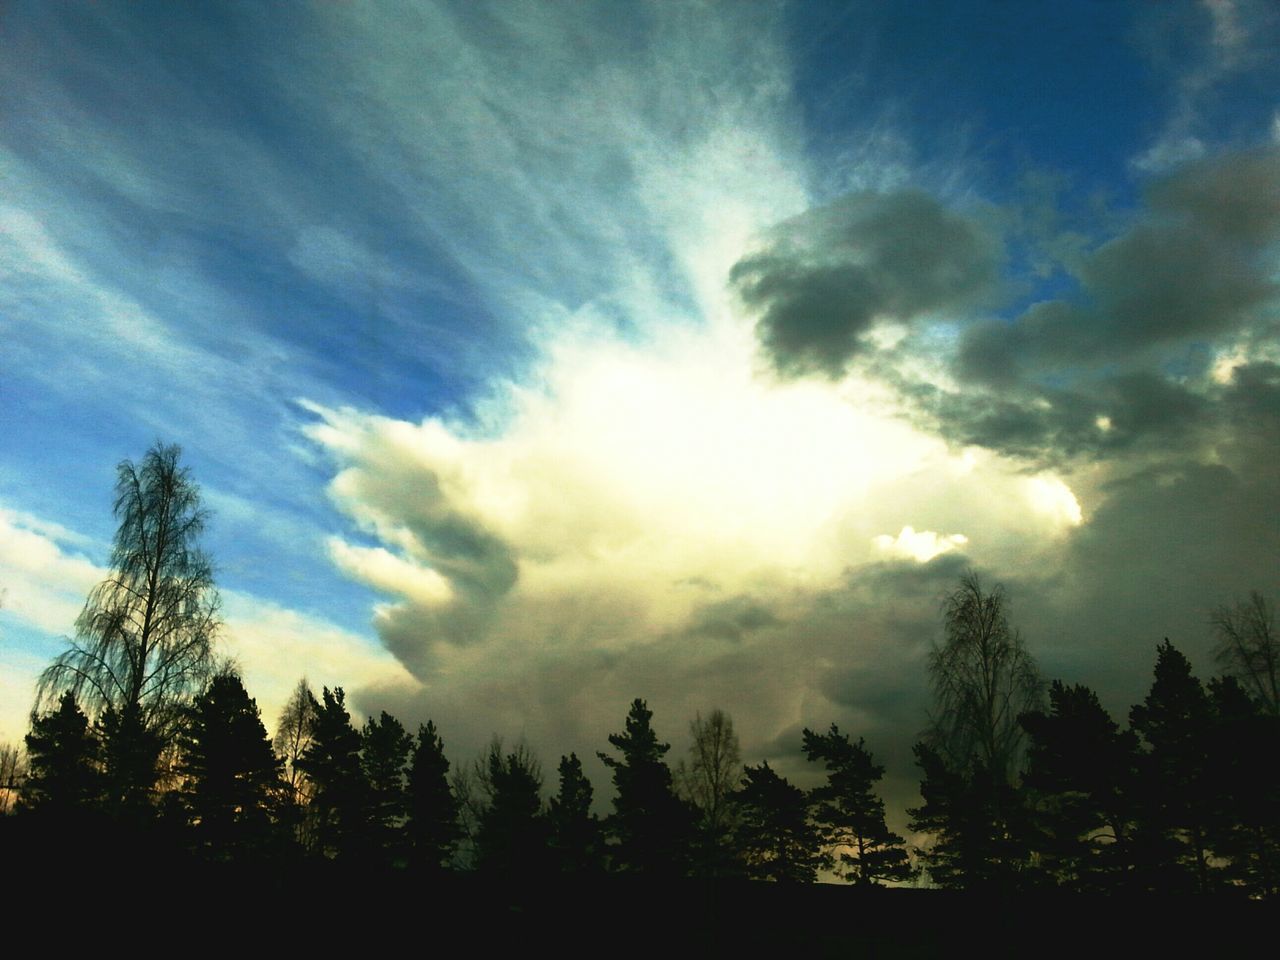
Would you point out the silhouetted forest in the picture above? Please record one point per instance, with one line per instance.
(143, 746)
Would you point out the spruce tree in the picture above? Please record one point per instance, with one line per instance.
(511, 835)
(851, 815)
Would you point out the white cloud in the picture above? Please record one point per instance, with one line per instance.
(920, 546)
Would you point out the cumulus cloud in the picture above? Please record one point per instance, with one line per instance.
(828, 276)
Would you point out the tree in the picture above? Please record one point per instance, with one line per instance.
(511, 833)
(1248, 648)
(773, 830)
(1178, 794)
(432, 827)
(1080, 781)
(708, 782)
(849, 813)
(332, 763)
(233, 786)
(64, 763)
(144, 640)
(983, 679)
(294, 732)
(13, 770)
(650, 825)
(575, 830)
(384, 756)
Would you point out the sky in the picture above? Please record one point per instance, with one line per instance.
(534, 357)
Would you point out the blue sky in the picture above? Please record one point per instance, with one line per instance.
(533, 357)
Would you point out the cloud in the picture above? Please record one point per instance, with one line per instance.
(827, 277)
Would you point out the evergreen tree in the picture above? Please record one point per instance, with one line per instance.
(384, 756)
(976, 822)
(1177, 795)
(332, 763)
(511, 835)
(1080, 781)
(131, 764)
(575, 830)
(64, 776)
(1245, 831)
(850, 814)
(233, 788)
(650, 825)
(773, 831)
(432, 827)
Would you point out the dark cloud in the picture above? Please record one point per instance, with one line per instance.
(830, 274)
(731, 619)
(1197, 263)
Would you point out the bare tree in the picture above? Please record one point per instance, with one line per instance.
(12, 772)
(983, 679)
(1248, 648)
(714, 768)
(144, 640)
(294, 732)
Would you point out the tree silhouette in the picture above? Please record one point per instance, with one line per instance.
(332, 763)
(511, 833)
(983, 679)
(64, 777)
(384, 756)
(1248, 648)
(1080, 781)
(849, 813)
(1177, 798)
(432, 826)
(233, 787)
(144, 638)
(575, 831)
(650, 825)
(708, 782)
(773, 830)
(976, 822)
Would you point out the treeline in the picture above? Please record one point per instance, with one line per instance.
(1024, 785)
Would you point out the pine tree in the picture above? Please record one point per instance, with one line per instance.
(332, 763)
(575, 830)
(1080, 781)
(850, 814)
(233, 788)
(384, 756)
(64, 776)
(650, 825)
(432, 827)
(773, 832)
(511, 835)
(1177, 799)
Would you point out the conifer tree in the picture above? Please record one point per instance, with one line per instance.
(1080, 782)
(432, 826)
(575, 830)
(332, 763)
(850, 814)
(233, 788)
(64, 776)
(650, 825)
(1177, 799)
(384, 756)
(511, 834)
(773, 832)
